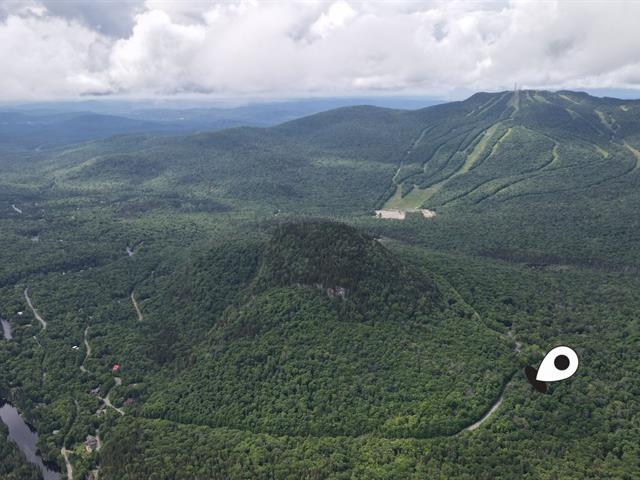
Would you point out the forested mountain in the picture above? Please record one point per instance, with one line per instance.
(227, 305)
(508, 160)
(362, 342)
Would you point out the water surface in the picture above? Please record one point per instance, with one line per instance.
(25, 438)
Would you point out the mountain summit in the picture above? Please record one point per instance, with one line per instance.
(497, 146)
(341, 337)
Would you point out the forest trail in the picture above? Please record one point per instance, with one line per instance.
(518, 349)
(65, 454)
(495, 405)
(86, 343)
(33, 310)
(137, 307)
(106, 402)
(87, 352)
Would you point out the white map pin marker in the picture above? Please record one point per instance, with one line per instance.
(559, 364)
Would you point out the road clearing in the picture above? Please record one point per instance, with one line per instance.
(33, 310)
(137, 307)
(401, 214)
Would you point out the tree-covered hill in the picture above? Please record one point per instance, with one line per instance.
(338, 336)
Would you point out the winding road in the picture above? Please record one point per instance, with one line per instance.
(118, 380)
(88, 350)
(517, 349)
(108, 403)
(137, 307)
(486, 416)
(65, 454)
(33, 310)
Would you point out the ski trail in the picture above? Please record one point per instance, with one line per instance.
(636, 153)
(413, 147)
(555, 158)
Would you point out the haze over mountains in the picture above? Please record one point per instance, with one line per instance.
(49, 124)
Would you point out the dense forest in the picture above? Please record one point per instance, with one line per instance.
(226, 304)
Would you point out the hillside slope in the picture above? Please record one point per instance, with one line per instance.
(337, 336)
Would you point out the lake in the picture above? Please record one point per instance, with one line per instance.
(25, 438)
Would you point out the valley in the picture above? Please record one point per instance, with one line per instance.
(352, 294)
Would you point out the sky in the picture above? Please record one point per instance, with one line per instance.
(66, 49)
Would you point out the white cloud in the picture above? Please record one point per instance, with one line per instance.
(43, 56)
(334, 18)
(287, 48)
(158, 56)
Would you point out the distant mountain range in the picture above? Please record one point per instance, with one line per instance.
(494, 154)
(44, 125)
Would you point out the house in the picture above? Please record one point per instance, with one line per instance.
(91, 443)
(115, 368)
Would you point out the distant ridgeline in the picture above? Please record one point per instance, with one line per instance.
(525, 158)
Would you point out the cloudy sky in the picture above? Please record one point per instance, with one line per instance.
(60, 49)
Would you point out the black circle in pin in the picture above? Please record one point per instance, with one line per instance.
(561, 362)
